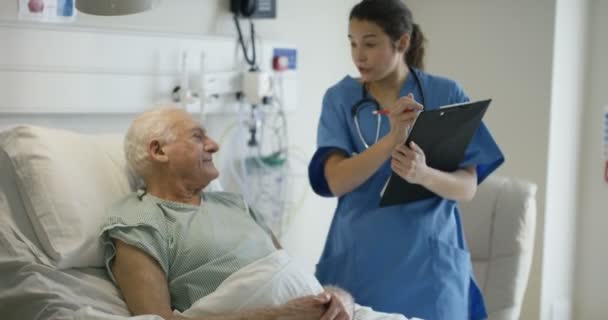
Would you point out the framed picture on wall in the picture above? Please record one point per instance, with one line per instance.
(47, 10)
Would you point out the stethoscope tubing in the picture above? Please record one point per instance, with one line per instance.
(365, 99)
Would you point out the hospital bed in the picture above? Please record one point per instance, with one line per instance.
(55, 186)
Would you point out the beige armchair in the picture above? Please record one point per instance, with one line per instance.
(499, 225)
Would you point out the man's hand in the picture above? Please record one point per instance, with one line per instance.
(341, 305)
(306, 308)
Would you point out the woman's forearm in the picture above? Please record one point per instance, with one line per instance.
(459, 185)
(344, 174)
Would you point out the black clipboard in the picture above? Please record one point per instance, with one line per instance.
(444, 135)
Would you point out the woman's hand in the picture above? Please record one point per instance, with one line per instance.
(401, 116)
(410, 163)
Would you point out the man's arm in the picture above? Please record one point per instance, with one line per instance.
(141, 281)
(143, 285)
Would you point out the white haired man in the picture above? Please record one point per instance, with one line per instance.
(170, 245)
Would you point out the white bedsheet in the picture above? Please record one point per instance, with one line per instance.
(267, 282)
(270, 281)
(31, 289)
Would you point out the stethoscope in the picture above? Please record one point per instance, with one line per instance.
(367, 101)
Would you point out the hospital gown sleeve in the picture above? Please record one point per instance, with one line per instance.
(333, 135)
(482, 152)
(145, 237)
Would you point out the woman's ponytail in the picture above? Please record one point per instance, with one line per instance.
(415, 54)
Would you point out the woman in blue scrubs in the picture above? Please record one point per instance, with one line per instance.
(412, 258)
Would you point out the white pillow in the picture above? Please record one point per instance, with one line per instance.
(66, 181)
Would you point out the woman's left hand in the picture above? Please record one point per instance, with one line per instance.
(410, 163)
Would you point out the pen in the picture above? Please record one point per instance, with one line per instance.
(386, 112)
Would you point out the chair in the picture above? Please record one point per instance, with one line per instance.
(499, 226)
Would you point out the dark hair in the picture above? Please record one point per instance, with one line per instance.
(395, 19)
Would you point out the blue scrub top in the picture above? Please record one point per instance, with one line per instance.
(412, 258)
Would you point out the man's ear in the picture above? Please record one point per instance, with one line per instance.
(404, 43)
(156, 152)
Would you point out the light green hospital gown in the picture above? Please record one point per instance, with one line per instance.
(196, 247)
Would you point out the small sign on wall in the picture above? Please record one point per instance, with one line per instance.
(47, 10)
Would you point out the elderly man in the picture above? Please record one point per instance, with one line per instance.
(170, 245)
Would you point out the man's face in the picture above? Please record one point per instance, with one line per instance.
(190, 155)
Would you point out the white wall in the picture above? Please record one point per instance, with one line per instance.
(502, 50)
(567, 101)
(591, 280)
(323, 58)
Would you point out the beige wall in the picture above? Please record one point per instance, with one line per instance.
(591, 281)
(502, 50)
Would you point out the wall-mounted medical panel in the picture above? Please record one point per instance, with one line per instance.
(49, 69)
